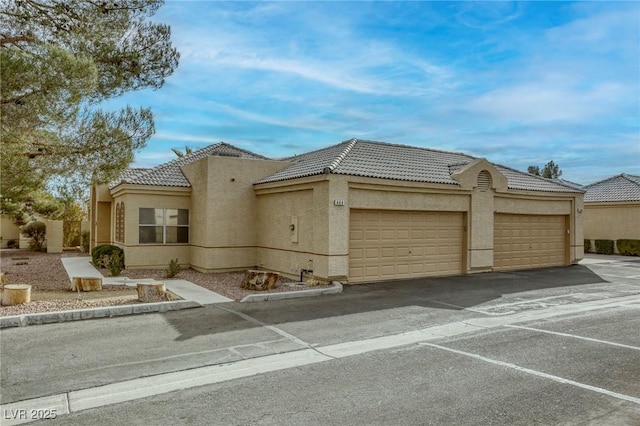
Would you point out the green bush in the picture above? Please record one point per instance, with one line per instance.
(84, 241)
(587, 246)
(114, 263)
(12, 244)
(604, 246)
(37, 231)
(173, 269)
(629, 247)
(100, 255)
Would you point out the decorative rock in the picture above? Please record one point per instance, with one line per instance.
(260, 280)
(16, 294)
(152, 292)
(86, 284)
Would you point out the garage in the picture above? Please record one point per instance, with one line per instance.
(385, 245)
(529, 241)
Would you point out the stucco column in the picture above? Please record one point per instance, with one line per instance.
(54, 236)
(338, 261)
(480, 231)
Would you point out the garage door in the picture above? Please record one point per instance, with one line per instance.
(386, 245)
(529, 241)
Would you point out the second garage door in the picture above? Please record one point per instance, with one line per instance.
(529, 241)
(386, 245)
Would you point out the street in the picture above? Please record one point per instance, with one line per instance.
(551, 346)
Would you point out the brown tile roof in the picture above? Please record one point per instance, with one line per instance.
(399, 162)
(623, 187)
(169, 174)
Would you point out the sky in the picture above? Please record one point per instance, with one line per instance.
(519, 84)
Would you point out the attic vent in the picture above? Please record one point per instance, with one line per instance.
(484, 180)
(228, 154)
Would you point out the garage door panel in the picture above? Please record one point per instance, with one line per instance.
(529, 241)
(411, 244)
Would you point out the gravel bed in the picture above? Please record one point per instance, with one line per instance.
(61, 305)
(44, 272)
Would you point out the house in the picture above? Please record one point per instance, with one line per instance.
(612, 208)
(357, 211)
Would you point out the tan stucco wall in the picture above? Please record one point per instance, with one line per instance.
(54, 238)
(140, 196)
(8, 231)
(224, 211)
(279, 247)
(323, 239)
(612, 221)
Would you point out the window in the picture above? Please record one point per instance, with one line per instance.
(119, 237)
(164, 226)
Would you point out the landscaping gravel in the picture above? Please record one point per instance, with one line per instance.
(44, 272)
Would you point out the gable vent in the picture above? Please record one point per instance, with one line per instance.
(484, 180)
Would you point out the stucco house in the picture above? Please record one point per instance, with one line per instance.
(612, 208)
(357, 211)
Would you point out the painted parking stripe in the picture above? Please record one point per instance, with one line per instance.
(558, 379)
(606, 342)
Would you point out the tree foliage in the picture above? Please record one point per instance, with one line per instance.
(37, 231)
(187, 150)
(60, 59)
(550, 170)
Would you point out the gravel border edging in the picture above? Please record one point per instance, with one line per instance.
(90, 313)
(336, 287)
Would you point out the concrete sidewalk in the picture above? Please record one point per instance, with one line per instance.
(82, 267)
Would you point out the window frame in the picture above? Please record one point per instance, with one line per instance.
(164, 225)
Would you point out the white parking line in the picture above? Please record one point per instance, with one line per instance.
(539, 374)
(606, 342)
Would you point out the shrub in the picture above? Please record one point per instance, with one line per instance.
(12, 244)
(99, 255)
(629, 247)
(587, 246)
(37, 231)
(84, 241)
(604, 246)
(173, 269)
(114, 262)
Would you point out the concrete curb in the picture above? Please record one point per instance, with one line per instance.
(334, 289)
(90, 313)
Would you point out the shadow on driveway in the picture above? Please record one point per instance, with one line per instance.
(449, 293)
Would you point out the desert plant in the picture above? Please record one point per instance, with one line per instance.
(587, 246)
(173, 269)
(604, 246)
(628, 247)
(98, 254)
(114, 262)
(37, 231)
(84, 241)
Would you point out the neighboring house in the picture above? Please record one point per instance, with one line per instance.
(9, 231)
(612, 208)
(357, 211)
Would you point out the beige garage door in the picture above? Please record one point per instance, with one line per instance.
(529, 241)
(386, 245)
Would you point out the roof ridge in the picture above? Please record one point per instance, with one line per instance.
(335, 163)
(605, 180)
(631, 178)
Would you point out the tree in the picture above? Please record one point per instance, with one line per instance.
(187, 150)
(60, 59)
(550, 171)
(37, 231)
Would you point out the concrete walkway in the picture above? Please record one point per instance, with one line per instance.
(82, 267)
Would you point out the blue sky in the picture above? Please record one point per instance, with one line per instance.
(516, 83)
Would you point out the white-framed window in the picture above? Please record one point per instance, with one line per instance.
(163, 226)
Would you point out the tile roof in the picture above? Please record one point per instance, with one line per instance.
(622, 187)
(170, 174)
(399, 162)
